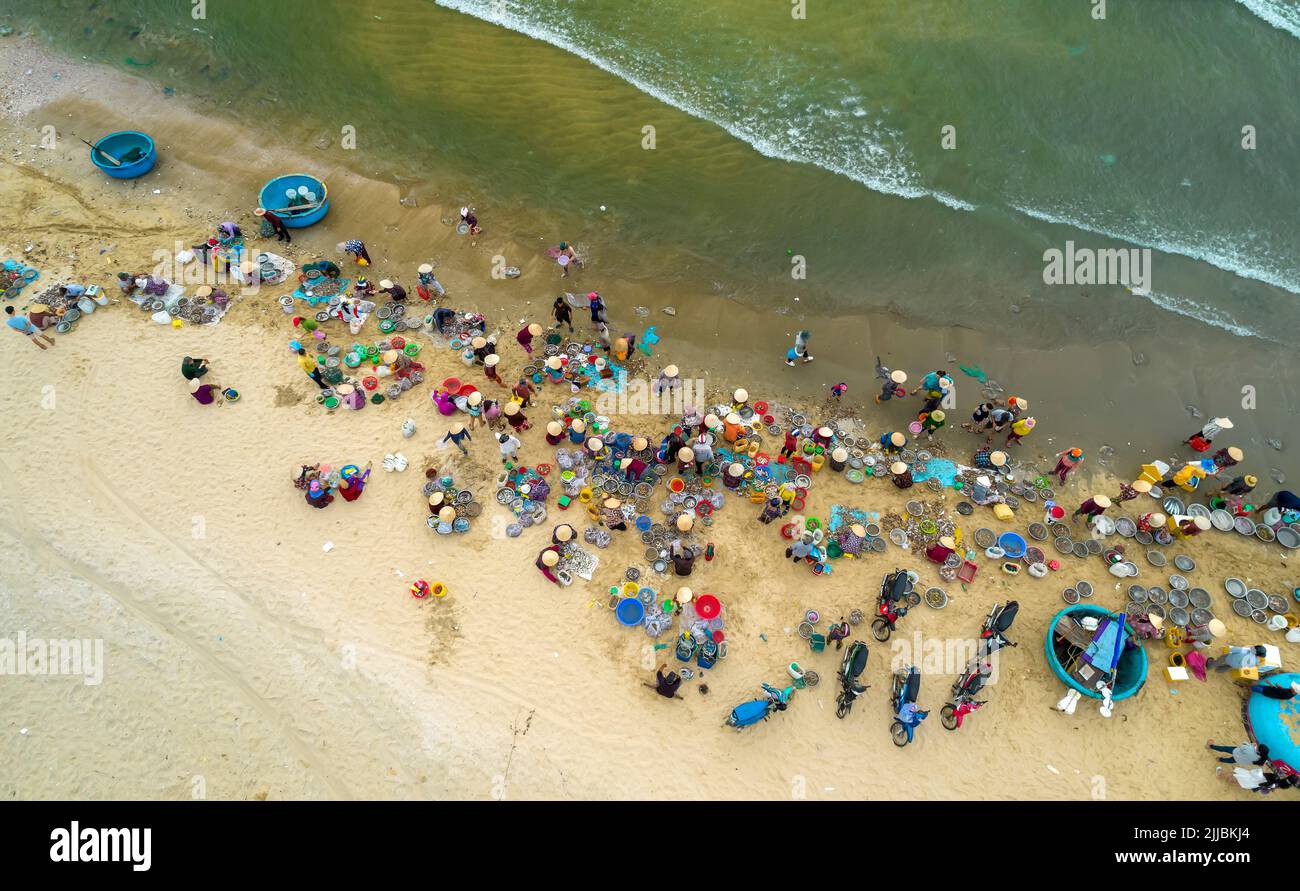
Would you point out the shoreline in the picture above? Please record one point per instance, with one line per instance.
(252, 627)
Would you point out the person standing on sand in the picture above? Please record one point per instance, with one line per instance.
(1242, 485)
(562, 313)
(892, 388)
(526, 335)
(428, 285)
(357, 249)
(1129, 491)
(456, 435)
(800, 349)
(932, 421)
(1067, 461)
(838, 391)
(1020, 428)
(1201, 439)
(23, 325)
(277, 225)
(509, 447)
(470, 219)
(307, 362)
(1246, 754)
(1092, 508)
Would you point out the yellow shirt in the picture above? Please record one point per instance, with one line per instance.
(1020, 428)
(308, 362)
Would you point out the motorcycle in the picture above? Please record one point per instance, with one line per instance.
(855, 662)
(998, 622)
(907, 716)
(964, 691)
(896, 597)
(750, 713)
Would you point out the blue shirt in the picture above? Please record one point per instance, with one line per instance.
(20, 324)
(75, 290)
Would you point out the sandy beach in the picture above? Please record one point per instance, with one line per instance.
(244, 661)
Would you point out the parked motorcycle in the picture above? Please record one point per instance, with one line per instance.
(896, 597)
(998, 622)
(750, 713)
(907, 715)
(855, 662)
(964, 691)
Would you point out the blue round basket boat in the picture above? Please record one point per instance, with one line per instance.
(1131, 671)
(134, 151)
(274, 198)
(1275, 722)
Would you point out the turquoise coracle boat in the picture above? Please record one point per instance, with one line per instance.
(1080, 659)
(300, 211)
(125, 154)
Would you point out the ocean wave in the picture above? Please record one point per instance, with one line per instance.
(1216, 250)
(1283, 16)
(887, 167)
(1216, 318)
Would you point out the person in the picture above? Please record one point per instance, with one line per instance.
(1237, 657)
(1067, 461)
(1092, 507)
(428, 286)
(457, 434)
(1188, 477)
(393, 290)
(1201, 439)
(1242, 485)
(613, 514)
(491, 370)
(596, 305)
(1283, 501)
(892, 442)
(1129, 491)
(547, 560)
(1227, 457)
(1246, 754)
(838, 391)
(306, 323)
(771, 510)
(800, 548)
(988, 458)
(633, 469)
(892, 388)
(800, 349)
(567, 257)
(1278, 781)
(276, 223)
(791, 444)
(193, 368)
(470, 219)
(442, 317)
(306, 474)
(702, 448)
(562, 313)
(1277, 691)
(683, 559)
(327, 268)
(307, 362)
(23, 325)
(902, 475)
(205, 394)
(319, 495)
(509, 447)
(931, 422)
(668, 379)
(526, 335)
(1248, 778)
(666, 684)
(352, 487)
(524, 391)
(1020, 429)
(517, 420)
(356, 249)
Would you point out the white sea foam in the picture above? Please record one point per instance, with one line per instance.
(1185, 306)
(1216, 250)
(1282, 15)
(873, 156)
